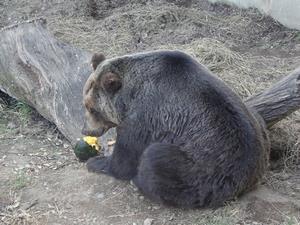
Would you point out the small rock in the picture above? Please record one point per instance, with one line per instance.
(148, 221)
(172, 217)
(99, 195)
(11, 125)
(141, 197)
(66, 146)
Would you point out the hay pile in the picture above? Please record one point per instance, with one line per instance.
(246, 49)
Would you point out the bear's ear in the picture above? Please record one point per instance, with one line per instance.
(111, 82)
(97, 58)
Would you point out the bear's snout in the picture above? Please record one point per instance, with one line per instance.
(93, 132)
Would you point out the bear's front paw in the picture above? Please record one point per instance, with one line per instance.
(98, 164)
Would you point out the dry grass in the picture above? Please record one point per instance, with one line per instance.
(14, 215)
(285, 136)
(17, 217)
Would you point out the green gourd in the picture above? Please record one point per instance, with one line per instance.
(86, 148)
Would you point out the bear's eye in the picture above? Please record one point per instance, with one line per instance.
(93, 111)
(97, 95)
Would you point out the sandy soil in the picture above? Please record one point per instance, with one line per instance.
(41, 181)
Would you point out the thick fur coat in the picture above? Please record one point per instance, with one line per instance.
(183, 136)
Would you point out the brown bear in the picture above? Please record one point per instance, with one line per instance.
(183, 136)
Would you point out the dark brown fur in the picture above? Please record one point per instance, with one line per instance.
(183, 136)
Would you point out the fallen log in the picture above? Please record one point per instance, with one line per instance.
(49, 75)
(45, 73)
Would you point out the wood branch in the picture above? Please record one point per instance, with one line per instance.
(278, 101)
(45, 73)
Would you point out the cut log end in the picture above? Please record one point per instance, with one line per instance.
(278, 101)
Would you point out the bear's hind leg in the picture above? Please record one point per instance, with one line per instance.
(165, 175)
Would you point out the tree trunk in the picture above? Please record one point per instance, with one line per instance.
(49, 75)
(45, 73)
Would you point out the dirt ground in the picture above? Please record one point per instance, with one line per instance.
(41, 181)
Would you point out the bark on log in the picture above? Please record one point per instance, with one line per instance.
(278, 101)
(46, 73)
(49, 75)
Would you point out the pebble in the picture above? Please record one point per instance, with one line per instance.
(66, 146)
(11, 125)
(148, 221)
(172, 217)
(99, 195)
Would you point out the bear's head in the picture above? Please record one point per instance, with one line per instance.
(120, 86)
(98, 94)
